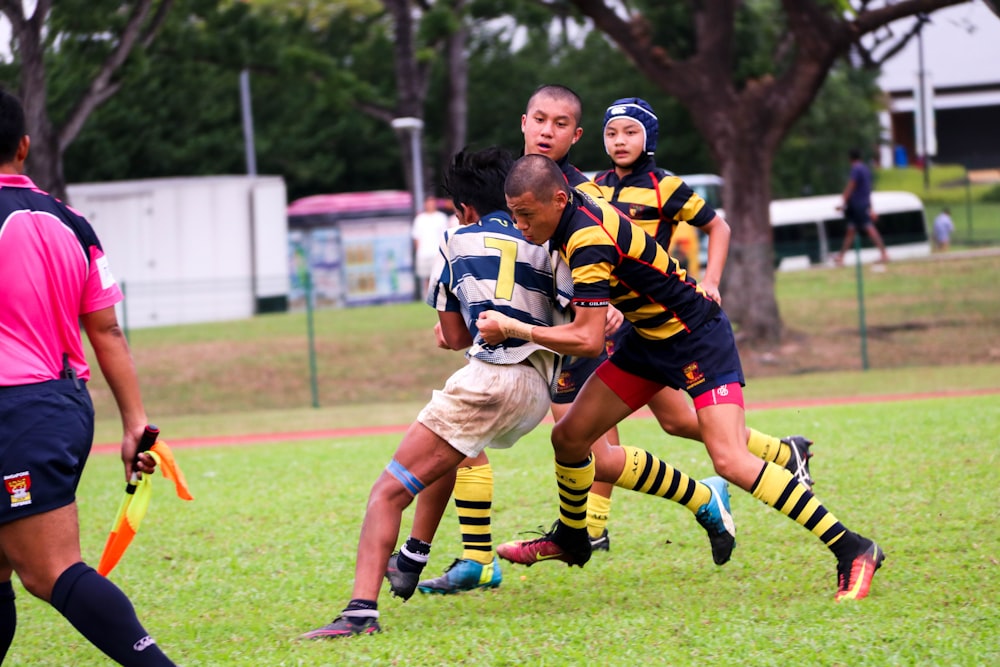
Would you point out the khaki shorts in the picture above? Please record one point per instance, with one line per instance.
(487, 405)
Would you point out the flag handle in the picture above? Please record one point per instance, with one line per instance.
(148, 439)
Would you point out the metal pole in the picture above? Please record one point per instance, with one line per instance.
(862, 327)
(418, 170)
(968, 206)
(310, 330)
(251, 153)
(923, 105)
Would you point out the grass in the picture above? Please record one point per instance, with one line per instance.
(932, 312)
(975, 207)
(267, 549)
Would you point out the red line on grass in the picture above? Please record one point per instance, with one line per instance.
(360, 431)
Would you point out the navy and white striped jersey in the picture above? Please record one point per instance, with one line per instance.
(489, 266)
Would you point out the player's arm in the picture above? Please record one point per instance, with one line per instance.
(848, 190)
(454, 332)
(113, 356)
(719, 233)
(583, 337)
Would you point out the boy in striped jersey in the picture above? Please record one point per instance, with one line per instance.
(551, 126)
(680, 338)
(500, 395)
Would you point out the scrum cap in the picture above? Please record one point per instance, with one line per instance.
(638, 110)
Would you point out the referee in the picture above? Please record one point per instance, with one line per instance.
(53, 276)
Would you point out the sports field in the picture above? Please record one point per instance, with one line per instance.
(906, 453)
(266, 551)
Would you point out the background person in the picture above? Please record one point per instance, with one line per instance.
(857, 207)
(54, 276)
(943, 228)
(428, 227)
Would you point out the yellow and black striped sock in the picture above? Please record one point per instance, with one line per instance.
(574, 480)
(473, 496)
(646, 473)
(598, 509)
(777, 487)
(769, 448)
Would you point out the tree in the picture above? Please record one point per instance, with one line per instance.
(743, 101)
(113, 28)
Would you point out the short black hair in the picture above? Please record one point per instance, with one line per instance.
(12, 126)
(536, 174)
(854, 154)
(476, 179)
(559, 92)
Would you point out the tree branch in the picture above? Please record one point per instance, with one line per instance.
(102, 87)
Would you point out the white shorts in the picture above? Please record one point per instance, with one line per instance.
(487, 405)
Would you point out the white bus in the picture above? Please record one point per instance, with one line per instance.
(810, 230)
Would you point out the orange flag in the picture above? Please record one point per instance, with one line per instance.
(134, 505)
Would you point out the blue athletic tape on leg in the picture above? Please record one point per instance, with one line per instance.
(405, 477)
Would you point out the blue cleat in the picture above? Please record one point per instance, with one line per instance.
(715, 517)
(464, 575)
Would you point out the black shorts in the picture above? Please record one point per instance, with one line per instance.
(46, 432)
(858, 217)
(576, 370)
(696, 362)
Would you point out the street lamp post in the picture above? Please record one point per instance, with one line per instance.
(413, 126)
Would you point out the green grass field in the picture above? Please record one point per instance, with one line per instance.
(975, 207)
(267, 549)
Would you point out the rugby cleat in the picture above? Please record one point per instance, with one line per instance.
(798, 464)
(529, 552)
(402, 584)
(716, 518)
(854, 575)
(464, 575)
(345, 626)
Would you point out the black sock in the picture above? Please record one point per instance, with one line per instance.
(8, 618)
(413, 556)
(104, 615)
(358, 611)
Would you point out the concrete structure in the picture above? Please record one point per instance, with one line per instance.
(194, 249)
(961, 68)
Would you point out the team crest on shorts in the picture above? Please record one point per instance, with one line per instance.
(565, 384)
(693, 374)
(18, 486)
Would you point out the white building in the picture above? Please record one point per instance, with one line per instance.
(961, 77)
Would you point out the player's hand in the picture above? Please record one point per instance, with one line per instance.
(439, 335)
(495, 327)
(614, 320)
(712, 291)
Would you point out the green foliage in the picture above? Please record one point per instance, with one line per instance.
(317, 67)
(813, 158)
(180, 114)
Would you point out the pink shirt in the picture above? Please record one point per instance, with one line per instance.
(52, 270)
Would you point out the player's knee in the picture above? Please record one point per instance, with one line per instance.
(568, 446)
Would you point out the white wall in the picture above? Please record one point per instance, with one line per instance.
(190, 249)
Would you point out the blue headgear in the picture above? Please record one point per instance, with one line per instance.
(638, 110)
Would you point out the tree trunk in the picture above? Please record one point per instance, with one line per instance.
(458, 87)
(748, 283)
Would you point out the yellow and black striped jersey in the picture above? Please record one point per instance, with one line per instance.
(655, 200)
(614, 261)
